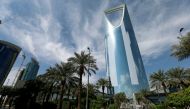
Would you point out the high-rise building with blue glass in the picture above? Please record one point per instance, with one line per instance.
(31, 70)
(124, 63)
(8, 55)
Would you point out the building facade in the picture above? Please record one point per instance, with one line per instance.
(124, 62)
(31, 70)
(8, 55)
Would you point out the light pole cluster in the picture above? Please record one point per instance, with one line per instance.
(181, 29)
(88, 79)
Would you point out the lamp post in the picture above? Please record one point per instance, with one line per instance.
(181, 29)
(87, 80)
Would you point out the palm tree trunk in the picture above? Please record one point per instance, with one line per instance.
(52, 96)
(56, 96)
(68, 98)
(103, 87)
(44, 96)
(68, 94)
(49, 93)
(79, 92)
(61, 97)
(35, 96)
(103, 91)
(164, 86)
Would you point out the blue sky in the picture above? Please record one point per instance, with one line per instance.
(51, 30)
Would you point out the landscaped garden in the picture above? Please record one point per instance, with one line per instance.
(61, 87)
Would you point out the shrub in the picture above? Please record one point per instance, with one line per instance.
(119, 98)
(179, 99)
(112, 106)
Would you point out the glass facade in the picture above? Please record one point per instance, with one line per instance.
(31, 70)
(8, 55)
(124, 62)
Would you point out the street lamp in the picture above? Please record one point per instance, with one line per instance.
(87, 80)
(181, 29)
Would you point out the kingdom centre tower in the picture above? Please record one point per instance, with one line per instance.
(124, 63)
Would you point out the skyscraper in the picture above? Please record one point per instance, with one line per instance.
(21, 74)
(124, 62)
(8, 55)
(31, 70)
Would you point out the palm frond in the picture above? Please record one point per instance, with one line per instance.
(182, 50)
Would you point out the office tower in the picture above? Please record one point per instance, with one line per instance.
(8, 55)
(124, 62)
(110, 88)
(21, 74)
(19, 82)
(31, 70)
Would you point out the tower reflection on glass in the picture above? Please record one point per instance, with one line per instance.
(8, 56)
(124, 62)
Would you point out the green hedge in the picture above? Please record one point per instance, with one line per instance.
(179, 99)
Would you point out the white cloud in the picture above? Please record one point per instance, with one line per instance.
(157, 24)
(86, 31)
(41, 34)
(3, 7)
(29, 44)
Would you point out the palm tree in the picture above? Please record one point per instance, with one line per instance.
(159, 79)
(83, 63)
(65, 73)
(120, 98)
(182, 50)
(142, 99)
(102, 83)
(50, 80)
(92, 89)
(178, 76)
(141, 96)
(33, 87)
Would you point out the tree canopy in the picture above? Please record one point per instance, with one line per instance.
(182, 50)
